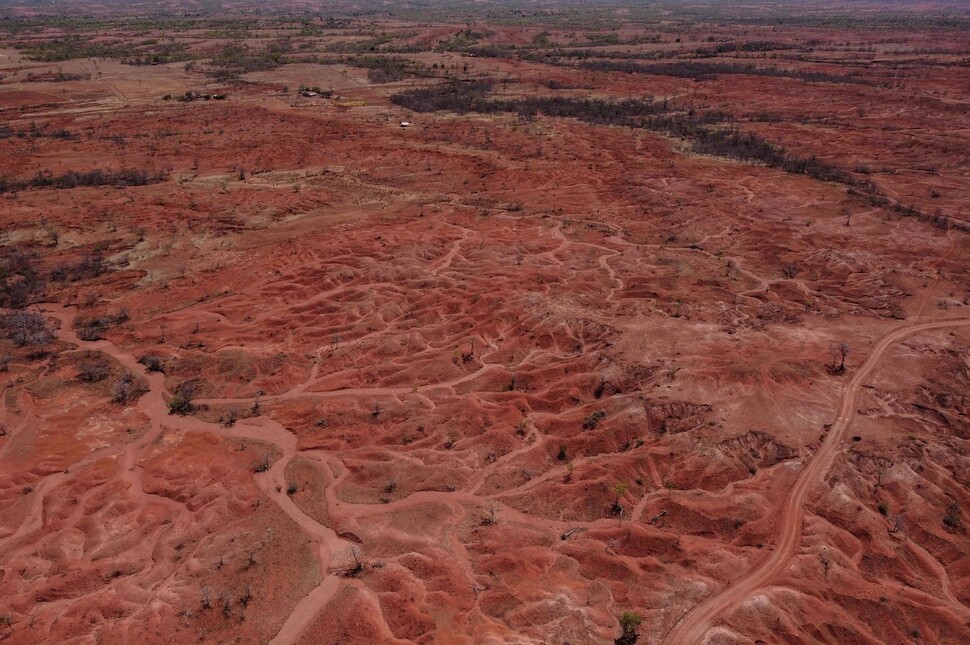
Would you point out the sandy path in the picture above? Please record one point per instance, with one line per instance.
(700, 619)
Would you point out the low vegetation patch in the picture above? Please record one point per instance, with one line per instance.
(75, 179)
(705, 71)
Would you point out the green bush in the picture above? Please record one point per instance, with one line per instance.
(179, 404)
(629, 622)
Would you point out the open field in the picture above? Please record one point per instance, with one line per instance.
(652, 325)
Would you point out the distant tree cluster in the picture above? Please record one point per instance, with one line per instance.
(190, 97)
(449, 97)
(574, 51)
(704, 130)
(159, 54)
(708, 132)
(704, 71)
(387, 69)
(746, 146)
(745, 46)
(75, 179)
(148, 52)
(236, 59)
(59, 77)
(33, 132)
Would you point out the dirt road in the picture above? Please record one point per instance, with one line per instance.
(696, 623)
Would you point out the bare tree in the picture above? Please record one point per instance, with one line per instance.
(28, 329)
(93, 371)
(123, 390)
(839, 354)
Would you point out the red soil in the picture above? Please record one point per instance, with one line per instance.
(441, 349)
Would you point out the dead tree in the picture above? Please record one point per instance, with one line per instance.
(838, 356)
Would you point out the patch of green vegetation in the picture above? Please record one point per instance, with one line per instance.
(387, 69)
(236, 59)
(147, 52)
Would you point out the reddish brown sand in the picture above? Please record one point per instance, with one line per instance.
(448, 344)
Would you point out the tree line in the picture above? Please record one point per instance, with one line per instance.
(75, 179)
(704, 71)
(706, 131)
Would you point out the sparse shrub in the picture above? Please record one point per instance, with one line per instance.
(391, 486)
(951, 519)
(568, 477)
(181, 401)
(89, 333)
(562, 456)
(618, 490)
(629, 623)
(591, 421)
(354, 570)
(884, 509)
(91, 329)
(262, 465)
(93, 371)
(124, 389)
(292, 488)
(179, 404)
(152, 363)
(20, 280)
(89, 266)
(246, 597)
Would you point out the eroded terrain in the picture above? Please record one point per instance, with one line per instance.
(276, 368)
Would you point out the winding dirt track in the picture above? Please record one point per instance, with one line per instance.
(329, 546)
(272, 482)
(696, 623)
